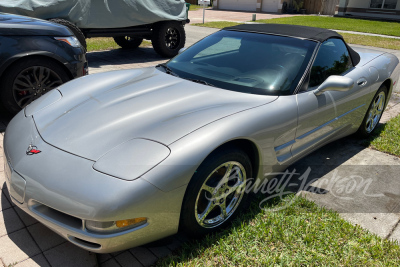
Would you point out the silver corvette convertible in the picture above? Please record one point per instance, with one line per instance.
(119, 159)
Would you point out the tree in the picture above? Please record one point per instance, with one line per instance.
(297, 5)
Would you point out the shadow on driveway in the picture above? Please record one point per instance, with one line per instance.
(123, 58)
(5, 118)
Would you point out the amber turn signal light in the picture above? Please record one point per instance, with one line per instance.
(129, 222)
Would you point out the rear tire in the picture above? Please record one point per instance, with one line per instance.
(211, 201)
(28, 79)
(75, 30)
(374, 113)
(168, 38)
(128, 42)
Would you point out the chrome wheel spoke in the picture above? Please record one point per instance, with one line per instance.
(239, 185)
(227, 174)
(224, 213)
(208, 189)
(375, 112)
(207, 211)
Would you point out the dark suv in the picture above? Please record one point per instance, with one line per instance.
(36, 56)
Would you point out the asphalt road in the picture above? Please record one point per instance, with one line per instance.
(195, 33)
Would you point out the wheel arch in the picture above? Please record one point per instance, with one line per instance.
(389, 85)
(45, 55)
(249, 147)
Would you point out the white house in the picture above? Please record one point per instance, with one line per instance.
(380, 9)
(250, 5)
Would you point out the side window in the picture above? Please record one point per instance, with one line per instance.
(332, 59)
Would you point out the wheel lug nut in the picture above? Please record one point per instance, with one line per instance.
(226, 191)
(221, 201)
(214, 202)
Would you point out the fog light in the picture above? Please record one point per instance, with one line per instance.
(114, 226)
(126, 223)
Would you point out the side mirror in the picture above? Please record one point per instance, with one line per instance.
(335, 83)
(181, 50)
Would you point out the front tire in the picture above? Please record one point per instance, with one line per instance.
(27, 80)
(168, 38)
(216, 193)
(374, 113)
(128, 42)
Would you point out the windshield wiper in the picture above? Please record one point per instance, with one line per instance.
(201, 81)
(167, 69)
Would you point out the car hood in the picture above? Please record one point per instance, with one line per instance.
(98, 112)
(20, 25)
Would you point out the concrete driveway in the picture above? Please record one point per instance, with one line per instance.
(236, 16)
(25, 242)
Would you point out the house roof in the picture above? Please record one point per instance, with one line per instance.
(312, 33)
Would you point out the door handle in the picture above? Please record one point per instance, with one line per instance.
(362, 82)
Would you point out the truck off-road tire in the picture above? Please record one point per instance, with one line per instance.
(168, 38)
(76, 31)
(128, 42)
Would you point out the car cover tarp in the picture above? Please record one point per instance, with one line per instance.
(99, 13)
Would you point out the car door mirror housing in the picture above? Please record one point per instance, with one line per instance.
(335, 83)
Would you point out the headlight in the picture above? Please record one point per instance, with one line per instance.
(132, 159)
(114, 226)
(71, 40)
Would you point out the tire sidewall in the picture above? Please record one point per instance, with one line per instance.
(189, 223)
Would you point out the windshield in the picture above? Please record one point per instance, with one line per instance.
(246, 62)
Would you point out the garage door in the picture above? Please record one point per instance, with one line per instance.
(269, 6)
(246, 5)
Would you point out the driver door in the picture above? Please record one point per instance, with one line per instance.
(323, 118)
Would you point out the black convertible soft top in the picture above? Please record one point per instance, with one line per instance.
(311, 33)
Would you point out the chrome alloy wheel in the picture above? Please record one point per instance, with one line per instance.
(34, 82)
(220, 194)
(375, 112)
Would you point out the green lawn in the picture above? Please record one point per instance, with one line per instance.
(387, 137)
(103, 43)
(302, 234)
(217, 24)
(347, 24)
(382, 42)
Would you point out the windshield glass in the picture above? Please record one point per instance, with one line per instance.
(246, 62)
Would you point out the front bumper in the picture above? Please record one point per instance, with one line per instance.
(62, 191)
(77, 63)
